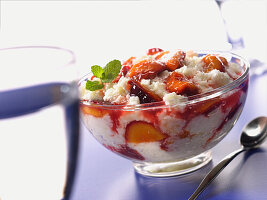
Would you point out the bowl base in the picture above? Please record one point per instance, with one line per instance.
(173, 168)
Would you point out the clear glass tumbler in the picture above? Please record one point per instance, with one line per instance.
(38, 104)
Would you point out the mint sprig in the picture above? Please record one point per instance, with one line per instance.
(93, 85)
(111, 71)
(97, 71)
(106, 75)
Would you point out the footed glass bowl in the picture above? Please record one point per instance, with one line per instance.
(164, 140)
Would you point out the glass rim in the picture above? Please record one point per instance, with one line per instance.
(190, 100)
(70, 52)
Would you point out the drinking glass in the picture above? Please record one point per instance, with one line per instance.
(38, 103)
(235, 37)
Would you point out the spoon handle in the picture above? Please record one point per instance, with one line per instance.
(215, 172)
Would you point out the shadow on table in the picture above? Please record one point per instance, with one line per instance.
(226, 185)
(181, 187)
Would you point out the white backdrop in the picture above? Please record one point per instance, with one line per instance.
(98, 31)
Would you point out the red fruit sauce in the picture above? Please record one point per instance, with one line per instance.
(126, 151)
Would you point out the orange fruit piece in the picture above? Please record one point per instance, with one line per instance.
(208, 105)
(176, 61)
(96, 112)
(129, 61)
(141, 131)
(160, 54)
(146, 69)
(214, 62)
(179, 84)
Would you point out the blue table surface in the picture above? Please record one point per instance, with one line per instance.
(102, 175)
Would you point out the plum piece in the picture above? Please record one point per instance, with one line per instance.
(145, 95)
(126, 151)
(153, 51)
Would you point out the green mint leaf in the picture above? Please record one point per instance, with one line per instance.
(97, 71)
(93, 85)
(111, 71)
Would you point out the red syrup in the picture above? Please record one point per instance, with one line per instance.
(231, 101)
(244, 85)
(191, 111)
(226, 119)
(126, 151)
(212, 108)
(152, 115)
(188, 114)
(235, 103)
(115, 118)
(164, 144)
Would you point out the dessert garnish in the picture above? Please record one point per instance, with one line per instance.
(106, 75)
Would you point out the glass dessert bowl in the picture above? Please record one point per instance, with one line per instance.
(172, 125)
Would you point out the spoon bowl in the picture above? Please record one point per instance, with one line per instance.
(254, 133)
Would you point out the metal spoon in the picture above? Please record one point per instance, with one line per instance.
(253, 134)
